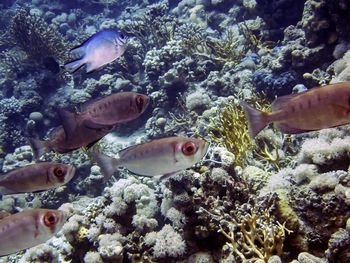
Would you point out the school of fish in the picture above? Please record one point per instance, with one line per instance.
(315, 109)
(158, 158)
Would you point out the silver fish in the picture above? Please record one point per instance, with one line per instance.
(36, 177)
(29, 228)
(59, 142)
(163, 157)
(315, 109)
(100, 49)
(114, 109)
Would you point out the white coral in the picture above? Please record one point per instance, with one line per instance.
(166, 242)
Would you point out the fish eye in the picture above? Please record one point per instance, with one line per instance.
(189, 148)
(122, 36)
(58, 172)
(139, 103)
(49, 219)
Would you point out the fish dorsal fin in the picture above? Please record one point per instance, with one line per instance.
(124, 151)
(279, 102)
(80, 49)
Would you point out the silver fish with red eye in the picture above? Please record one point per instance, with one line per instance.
(160, 158)
(36, 177)
(318, 108)
(29, 228)
(111, 110)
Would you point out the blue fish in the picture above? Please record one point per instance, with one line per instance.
(100, 49)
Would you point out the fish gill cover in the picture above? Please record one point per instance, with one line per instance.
(278, 198)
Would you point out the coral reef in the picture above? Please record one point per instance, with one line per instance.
(275, 199)
(41, 42)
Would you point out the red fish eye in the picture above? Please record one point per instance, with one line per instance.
(189, 148)
(139, 103)
(58, 172)
(49, 219)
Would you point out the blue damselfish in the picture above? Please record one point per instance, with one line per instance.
(100, 49)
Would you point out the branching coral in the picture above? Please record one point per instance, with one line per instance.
(261, 236)
(154, 27)
(254, 236)
(192, 38)
(230, 128)
(227, 49)
(39, 40)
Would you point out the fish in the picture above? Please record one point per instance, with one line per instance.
(36, 177)
(100, 49)
(4, 214)
(114, 109)
(58, 141)
(29, 228)
(315, 109)
(159, 158)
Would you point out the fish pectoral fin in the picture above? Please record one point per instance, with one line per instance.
(94, 125)
(285, 128)
(69, 122)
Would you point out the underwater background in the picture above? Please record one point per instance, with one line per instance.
(278, 198)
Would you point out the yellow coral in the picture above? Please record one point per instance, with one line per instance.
(82, 233)
(230, 128)
(260, 236)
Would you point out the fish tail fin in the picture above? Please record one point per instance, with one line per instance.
(69, 122)
(107, 164)
(73, 66)
(257, 120)
(39, 147)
